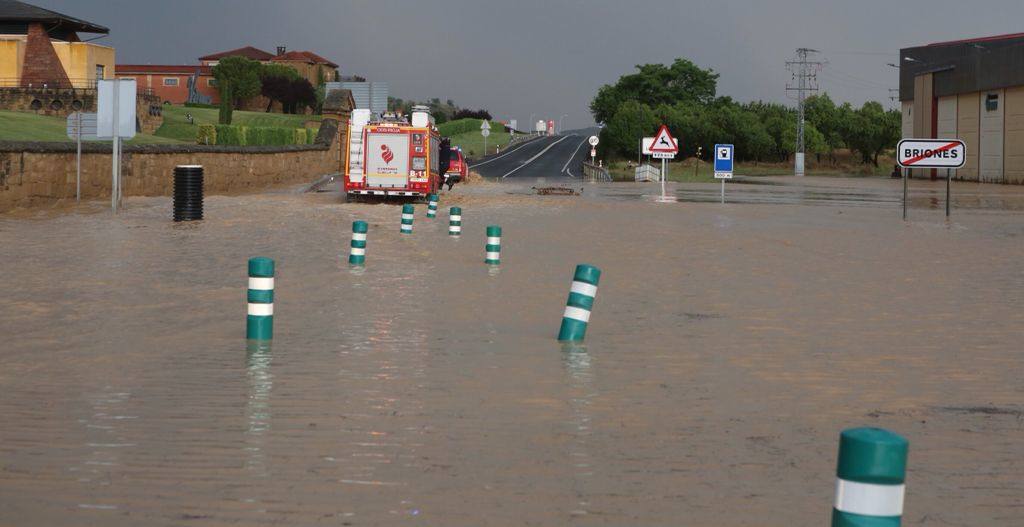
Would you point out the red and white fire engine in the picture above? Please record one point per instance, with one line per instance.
(389, 156)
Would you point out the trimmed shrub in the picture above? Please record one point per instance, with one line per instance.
(201, 105)
(231, 135)
(300, 135)
(206, 134)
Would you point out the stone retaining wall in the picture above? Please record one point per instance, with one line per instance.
(35, 174)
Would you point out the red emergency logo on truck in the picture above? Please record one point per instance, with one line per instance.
(386, 154)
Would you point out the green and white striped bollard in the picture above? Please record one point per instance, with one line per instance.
(870, 478)
(432, 206)
(357, 254)
(455, 221)
(579, 304)
(408, 214)
(259, 323)
(493, 248)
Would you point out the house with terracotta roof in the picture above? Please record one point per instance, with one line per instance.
(171, 82)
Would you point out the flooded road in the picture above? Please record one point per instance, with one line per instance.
(728, 347)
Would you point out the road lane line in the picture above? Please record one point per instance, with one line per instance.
(565, 168)
(534, 158)
(506, 153)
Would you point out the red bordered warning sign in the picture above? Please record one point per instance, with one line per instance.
(664, 143)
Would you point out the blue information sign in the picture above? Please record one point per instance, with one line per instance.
(723, 161)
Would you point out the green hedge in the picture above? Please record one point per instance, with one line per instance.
(201, 105)
(236, 135)
(206, 134)
(232, 135)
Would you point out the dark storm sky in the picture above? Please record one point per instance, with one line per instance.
(517, 57)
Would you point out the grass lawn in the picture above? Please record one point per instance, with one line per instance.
(24, 126)
(472, 143)
(176, 126)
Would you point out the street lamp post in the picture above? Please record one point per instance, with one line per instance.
(532, 125)
(560, 129)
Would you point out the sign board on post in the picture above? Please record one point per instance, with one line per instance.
(88, 130)
(664, 144)
(115, 119)
(950, 154)
(645, 145)
(125, 111)
(723, 161)
(931, 153)
(593, 140)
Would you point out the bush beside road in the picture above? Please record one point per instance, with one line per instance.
(176, 126)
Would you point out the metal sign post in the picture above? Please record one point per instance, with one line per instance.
(723, 164)
(115, 119)
(930, 153)
(80, 127)
(485, 130)
(664, 147)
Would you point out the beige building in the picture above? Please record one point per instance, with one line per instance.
(972, 90)
(39, 47)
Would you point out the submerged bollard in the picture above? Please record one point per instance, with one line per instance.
(870, 474)
(493, 248)
(408, 213)
(455, 221)
(432, 206)
(579, 304)
(259, 323)
(357, 254)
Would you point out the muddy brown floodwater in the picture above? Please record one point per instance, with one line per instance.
(728, 347)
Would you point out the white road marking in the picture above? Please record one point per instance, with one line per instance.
(573, 156)
(534, 158)
(505, 154)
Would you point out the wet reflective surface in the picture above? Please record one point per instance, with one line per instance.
(728, 346)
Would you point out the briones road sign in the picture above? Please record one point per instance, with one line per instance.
(931, 153)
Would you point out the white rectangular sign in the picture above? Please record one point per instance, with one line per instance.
(664, 155)
(645, 145)
(931, 153)
(125, 111)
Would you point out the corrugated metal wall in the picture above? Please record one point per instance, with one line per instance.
(991, 143)
(1013, 163)
(967, 127)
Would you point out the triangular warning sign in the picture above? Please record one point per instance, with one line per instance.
(663, 142)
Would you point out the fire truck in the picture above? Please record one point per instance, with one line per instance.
(388, 156)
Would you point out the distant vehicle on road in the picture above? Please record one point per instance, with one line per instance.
(388, 156)
(458, 169)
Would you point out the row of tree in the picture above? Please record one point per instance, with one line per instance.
(683, 97)
(239, 78)
(442, 111)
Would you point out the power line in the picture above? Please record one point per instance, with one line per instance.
(804, 80)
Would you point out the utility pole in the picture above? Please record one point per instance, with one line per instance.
(804, 80)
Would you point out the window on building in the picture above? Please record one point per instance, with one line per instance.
(991, 102)
(170, 81)
(211, 83)
(101, 72)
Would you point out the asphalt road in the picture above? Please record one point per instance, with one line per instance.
(557, 157)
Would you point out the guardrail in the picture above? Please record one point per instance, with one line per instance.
(595, 173)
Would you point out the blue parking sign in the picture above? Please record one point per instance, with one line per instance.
(723, 161)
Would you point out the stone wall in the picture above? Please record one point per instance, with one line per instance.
(36, 174)
(48, 101)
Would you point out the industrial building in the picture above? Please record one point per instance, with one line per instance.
(972, 90)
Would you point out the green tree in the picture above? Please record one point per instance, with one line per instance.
(624, 130)
(238, 78)
(871, 130)
(654, 85)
